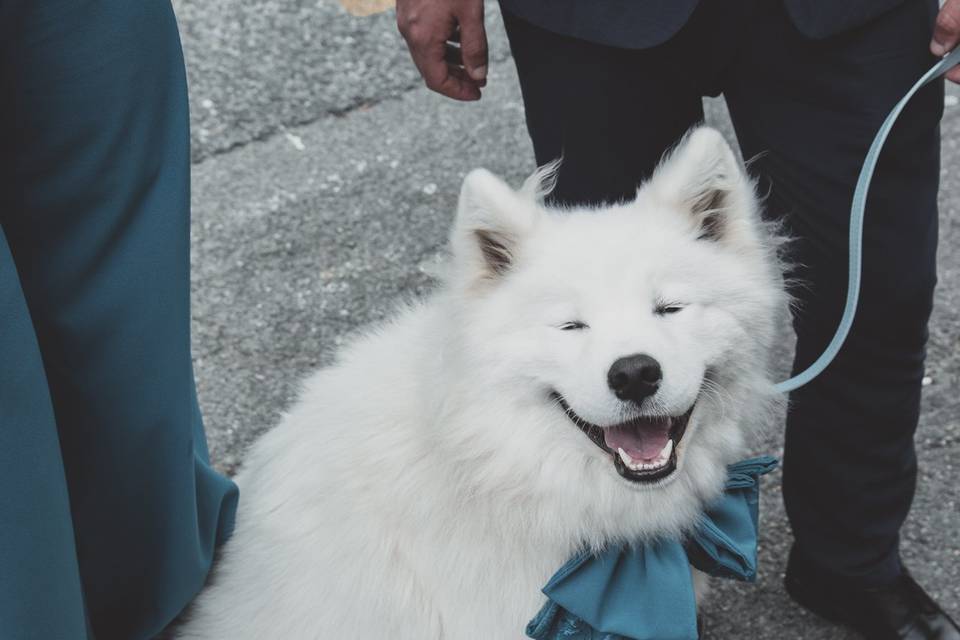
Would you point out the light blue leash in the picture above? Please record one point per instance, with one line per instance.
(857, 211)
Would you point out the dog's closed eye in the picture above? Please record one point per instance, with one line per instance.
(667, 308)
(573, 325)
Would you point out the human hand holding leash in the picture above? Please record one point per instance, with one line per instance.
(946, 34)
(448, 43)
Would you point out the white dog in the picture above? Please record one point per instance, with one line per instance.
(581, 377)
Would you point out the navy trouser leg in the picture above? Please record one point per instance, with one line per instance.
(94, 205)
(810, 110)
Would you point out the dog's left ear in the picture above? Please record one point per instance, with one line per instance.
(703, 177)
(492, 222)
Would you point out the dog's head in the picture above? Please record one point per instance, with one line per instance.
(621, 348)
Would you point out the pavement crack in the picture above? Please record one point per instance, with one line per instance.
(341, 112)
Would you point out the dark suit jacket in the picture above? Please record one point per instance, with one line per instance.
(638, 24)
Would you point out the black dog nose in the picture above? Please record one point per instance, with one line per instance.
(635, 377)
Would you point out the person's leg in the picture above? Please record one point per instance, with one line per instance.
(610, 113)
(811, 109)
(40, 592)
(96, 213)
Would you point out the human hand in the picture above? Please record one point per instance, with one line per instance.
(432, 28)
(946, 34)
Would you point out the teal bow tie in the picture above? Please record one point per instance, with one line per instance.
(645, 592)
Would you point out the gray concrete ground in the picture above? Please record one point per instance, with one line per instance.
(325, 178)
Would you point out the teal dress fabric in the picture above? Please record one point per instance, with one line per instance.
(109, 509)
(645, 591)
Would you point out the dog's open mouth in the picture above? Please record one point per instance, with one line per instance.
(643, 449)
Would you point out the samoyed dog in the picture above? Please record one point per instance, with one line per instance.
(581, 377)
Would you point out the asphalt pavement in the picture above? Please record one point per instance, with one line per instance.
(325, 180)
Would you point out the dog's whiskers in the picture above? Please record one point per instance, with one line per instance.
(717, 393)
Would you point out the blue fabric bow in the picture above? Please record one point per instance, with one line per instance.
(645, 592)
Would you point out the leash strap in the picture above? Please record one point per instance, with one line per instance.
(857, 212)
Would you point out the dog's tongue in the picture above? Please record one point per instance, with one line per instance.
(642, 440)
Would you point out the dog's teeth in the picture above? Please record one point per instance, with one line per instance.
(636, 465)
(667, 450)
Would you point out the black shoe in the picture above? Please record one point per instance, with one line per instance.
(899, 611)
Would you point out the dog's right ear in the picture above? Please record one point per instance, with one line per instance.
(492, 222)
(703, 178)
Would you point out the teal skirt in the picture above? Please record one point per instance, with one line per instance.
(109, 509)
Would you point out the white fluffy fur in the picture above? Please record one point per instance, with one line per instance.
(425, 487)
